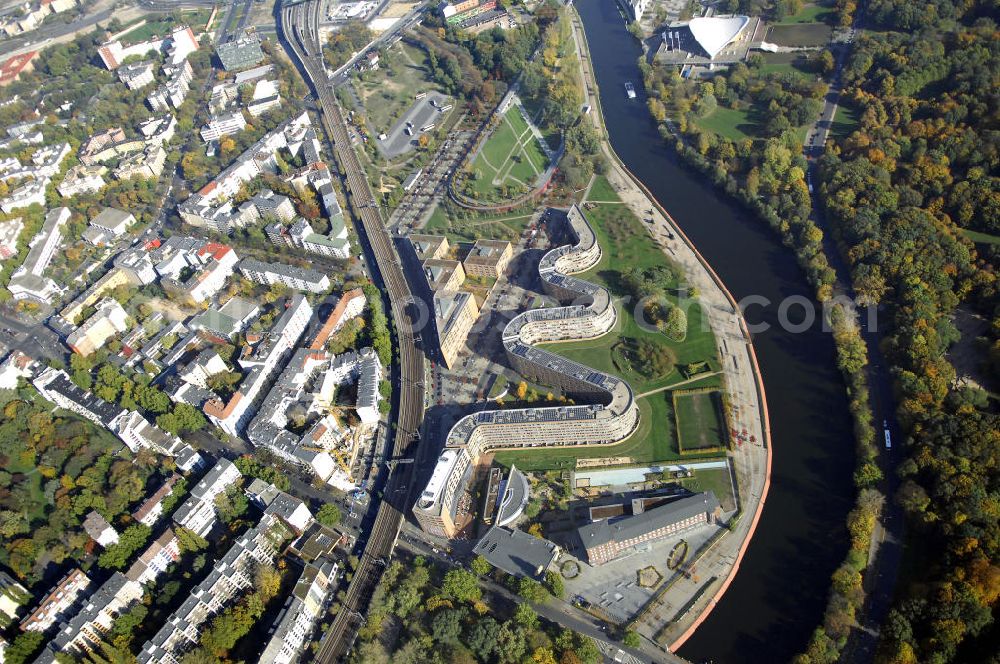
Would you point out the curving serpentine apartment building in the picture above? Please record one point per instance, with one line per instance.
(611, 416)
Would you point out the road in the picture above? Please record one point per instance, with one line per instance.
(555, 610)
(46, 34)
(299, 29)
(886, 547)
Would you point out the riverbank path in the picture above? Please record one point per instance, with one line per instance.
(743, 386)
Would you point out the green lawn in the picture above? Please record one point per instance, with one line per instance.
(845, 121)
(602, 190)
(162, 26)
(980, 237)
(511, 156)
(634, 249)
(699, 422)
(785, 63)
(653, 440)
(501, 227)
(731, 124)
(717, 480)
(812, 13)
(625, 244)
(800, 34)
(498, 146)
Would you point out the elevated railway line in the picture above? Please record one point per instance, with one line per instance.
(300, 28)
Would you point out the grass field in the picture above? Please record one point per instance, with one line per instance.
(785, 63)
(501, 227)
(812, 13)
(698, 422)
(385, 95)
(161, 27)
(632, 247)
(511, 157)
(981, 238)
(801, 34)
(734, 125)
(716, 480)
(602, 191)
(845, 121)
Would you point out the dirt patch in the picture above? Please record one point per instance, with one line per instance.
(966, 355)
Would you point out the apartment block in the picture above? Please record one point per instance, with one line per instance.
(231, 575)
(99, 529)
(82, 179)
(297, 621)
(12, 596)
(27, 281)
(611, 419)
(58, 603)
(299, 278)
(164, 551)
(223, 125)
(29, 193)
(260, 366)
(10, 231)
(198, 272)
(109, 319)
(488, 258)
(137, 75)
(265, 98)
(350, 305)
(158, 130)
(197, 513)
(443, 276)
(55, 385)
(429, 247)
(109, 144)
(147, 164)
(151, 509)
(85, 631)
(454, 315)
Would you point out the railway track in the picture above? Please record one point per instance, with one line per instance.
(299, 25)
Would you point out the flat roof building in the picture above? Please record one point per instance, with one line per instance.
(429, 246)
(488, 258)
(299, 278)
(241, 53)
(454, 315)
(517, 553)
(610, 538)
(443, 276)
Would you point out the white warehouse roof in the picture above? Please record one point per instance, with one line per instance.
(713, 33)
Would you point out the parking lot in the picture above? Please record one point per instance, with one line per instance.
(424, 112)
(613, 588)
(430, 188)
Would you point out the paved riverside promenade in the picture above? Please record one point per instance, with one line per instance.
(744, 389)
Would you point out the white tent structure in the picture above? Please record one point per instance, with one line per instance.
(714, 33)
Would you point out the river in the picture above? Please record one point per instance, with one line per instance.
(780, 591)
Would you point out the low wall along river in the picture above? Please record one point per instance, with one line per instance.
(778, 596)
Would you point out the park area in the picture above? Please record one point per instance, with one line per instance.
(509, 162)
(469, 226)
(626, 244)
(389, 91)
